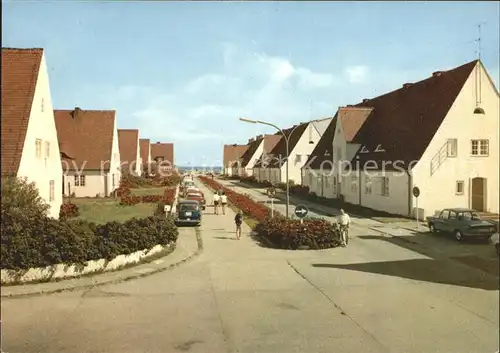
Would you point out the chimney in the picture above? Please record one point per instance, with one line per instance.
(437, 73)
(365, 100)
(349, 105)
(260, 137)
(406, 85)
(251, 140)
(76, 113)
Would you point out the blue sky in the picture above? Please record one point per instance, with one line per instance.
(184, 72)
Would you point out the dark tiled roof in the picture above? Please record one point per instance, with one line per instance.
(144, 145)
(87, 136)
(128, 140)
(279, 151)
(404, 121)
(270, 142)
(19, 77)
(163, 150)
(324, 145)
(252, 148)
(232, 154)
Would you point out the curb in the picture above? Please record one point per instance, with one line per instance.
(199, 240)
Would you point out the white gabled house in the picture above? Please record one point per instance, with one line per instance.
(256, 147)
(441, 135)
(302, 140)
(30, 148)
(231, 156)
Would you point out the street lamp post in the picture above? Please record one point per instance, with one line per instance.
(287, 153)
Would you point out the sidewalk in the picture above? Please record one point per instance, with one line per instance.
(188, 246)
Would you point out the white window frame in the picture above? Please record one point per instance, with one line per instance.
(368, 185)
(38, 148)
(385, 186)
(52, 194)
(354, 183)
(80, 180)
(476, 148)
(452, 148)
(457, 191)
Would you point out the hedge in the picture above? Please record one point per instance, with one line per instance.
(30, 238)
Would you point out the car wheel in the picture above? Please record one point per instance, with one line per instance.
(458, 236)
(432, 228)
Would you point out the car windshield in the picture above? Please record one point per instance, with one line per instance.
(193, 195)
(188, 207)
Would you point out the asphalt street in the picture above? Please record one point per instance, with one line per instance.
(376, 295)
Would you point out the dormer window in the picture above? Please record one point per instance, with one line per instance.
(364, 150)
(379, 149)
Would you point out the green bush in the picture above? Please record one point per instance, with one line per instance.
(39, 241)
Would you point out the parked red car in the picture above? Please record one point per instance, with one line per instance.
(197, 196)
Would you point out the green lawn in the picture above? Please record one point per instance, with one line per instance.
(148, 191)
(107, 209)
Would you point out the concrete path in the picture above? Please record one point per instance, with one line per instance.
(373, 296)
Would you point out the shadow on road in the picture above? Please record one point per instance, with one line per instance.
(427, 270)
(225, 238)
(478, 256)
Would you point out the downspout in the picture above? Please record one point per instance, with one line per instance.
(410, 193)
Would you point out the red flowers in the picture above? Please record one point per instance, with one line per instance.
(244, 203)
(68, 210)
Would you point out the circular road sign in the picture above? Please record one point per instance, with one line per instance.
(301, 211)
(271, 192)
(416, 191)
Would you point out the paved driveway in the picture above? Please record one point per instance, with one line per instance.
(373, 296)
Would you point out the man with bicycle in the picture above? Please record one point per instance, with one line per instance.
(344, 221)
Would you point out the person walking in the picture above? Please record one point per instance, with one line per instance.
(223, 201)
(344, 222)
(238, 220)
(216, 202)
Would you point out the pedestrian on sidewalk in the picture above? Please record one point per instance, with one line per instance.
(223, 201)
(344, 222)
(238, 220)
(216, 202)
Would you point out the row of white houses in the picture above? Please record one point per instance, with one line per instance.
(440, 134)
(64, 152)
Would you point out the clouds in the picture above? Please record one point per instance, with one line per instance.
(357, 74)
(250, 84)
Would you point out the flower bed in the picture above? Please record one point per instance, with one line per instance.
(244, 203)
(292, 235)
(68, 210)
(127, 199)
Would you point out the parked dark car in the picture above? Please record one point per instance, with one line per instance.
(188, 213)
(462, 223)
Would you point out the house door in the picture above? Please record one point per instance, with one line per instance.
(478, 188)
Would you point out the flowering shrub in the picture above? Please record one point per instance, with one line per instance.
(169, 196)
(68, 210)
(291, 234)
(244, 203)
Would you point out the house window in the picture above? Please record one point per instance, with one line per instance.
(385, 186)
(38, 148)
(354, 183)
(368, 185)
(459, 189)
(51, 190)
(480, 147)
(451, 150)
(297, 158)
(79, 180)
(113, 176)
(47, 149)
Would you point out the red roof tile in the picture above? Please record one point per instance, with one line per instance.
(144, 145)
(270, 143)
(19, 77)
(352, 118)
(232, 153)
(87, 136)
(163, 150)
(128, 139)
(404, 121)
